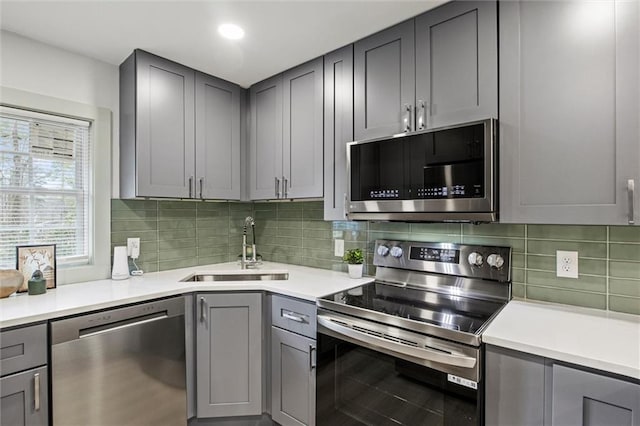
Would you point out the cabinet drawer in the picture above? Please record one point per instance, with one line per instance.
(23, 348)
(294, 315)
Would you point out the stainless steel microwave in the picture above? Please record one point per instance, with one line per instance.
(447, 174)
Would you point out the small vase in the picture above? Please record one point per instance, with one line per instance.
(355, 271)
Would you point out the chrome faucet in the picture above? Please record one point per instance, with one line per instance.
(247, 263)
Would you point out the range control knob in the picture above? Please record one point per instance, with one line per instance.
(396, 251)
(475, 259)
(495, 261)
(383, 250)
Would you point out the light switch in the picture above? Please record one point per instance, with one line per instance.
(339, 248)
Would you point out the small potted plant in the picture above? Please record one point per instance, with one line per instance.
(354, 259)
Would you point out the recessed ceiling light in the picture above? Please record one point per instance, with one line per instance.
(231, 31)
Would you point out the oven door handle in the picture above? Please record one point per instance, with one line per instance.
(447, 358)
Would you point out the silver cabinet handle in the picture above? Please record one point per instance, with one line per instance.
(202, 307)
(421, 115)
(292, 316)
(190, 186)
(36, 391)
(312, 357)
(406, 121)
(277, 188)
(285, 184)
(395, 348)
(631, 194)
(201, 187)
(344, 207)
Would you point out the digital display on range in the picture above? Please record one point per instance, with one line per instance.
(434, 254)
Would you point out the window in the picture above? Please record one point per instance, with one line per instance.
(44, 185)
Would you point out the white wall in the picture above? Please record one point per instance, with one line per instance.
(40, 68)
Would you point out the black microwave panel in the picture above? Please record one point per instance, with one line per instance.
(445, 164)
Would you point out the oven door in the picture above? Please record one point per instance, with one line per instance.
(365, 380)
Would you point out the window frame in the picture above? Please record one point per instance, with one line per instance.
(99, 220)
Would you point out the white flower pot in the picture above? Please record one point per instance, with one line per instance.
(355, 271)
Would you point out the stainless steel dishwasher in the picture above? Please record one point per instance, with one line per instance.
(124, 366)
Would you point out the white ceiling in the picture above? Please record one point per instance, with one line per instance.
(279, 34)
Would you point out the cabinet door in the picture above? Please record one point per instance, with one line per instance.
(514, 384)
(302, 137)
(23, 398)
(338, 129)
(293, 378)
(217, 138)
(569, 111)
(265, 139)
(165, 140)
(384, 77)
(229, 354)
(588, 399)
(457, 64)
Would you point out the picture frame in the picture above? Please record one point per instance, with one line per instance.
(42, 257)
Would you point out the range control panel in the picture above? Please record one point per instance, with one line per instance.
(487, 262)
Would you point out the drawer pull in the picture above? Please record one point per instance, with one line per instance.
(293, 317)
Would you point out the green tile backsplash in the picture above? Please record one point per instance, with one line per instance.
(176, 234)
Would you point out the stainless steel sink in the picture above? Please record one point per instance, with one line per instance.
(258, 276)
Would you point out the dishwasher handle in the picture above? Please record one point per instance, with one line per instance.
(83, 326)
(102, 329)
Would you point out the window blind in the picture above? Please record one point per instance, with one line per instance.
(44, 185)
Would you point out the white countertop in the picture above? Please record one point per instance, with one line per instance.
(603, 340)
(304, 283)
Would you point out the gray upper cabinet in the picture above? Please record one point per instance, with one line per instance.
(338, 129)
(569, 116)
(588, 399)
(286, 145)
(456, 64)
(384, 82)
(302, 131)
(179, 131)
(157, 137)
(265, 139)
(217, 138)
(229, 354)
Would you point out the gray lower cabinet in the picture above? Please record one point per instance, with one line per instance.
(229, 354)
(24, 376)
(384, 82)
(293, 361)
(514, 388)
(293, 378)
(456, 64)
(23, 398)
(286, 140)
(338, 129)
(588, 399)
(524, 389)
(179, 131)
(569, 111)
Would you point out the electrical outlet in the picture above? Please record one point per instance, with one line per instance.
(133, 247)
(567, 264)
(339, 248)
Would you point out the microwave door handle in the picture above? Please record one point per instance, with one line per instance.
(454, 359)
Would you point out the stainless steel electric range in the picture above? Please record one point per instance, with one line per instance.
(406, 348)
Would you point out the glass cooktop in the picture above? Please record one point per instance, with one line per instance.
(447, 311)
